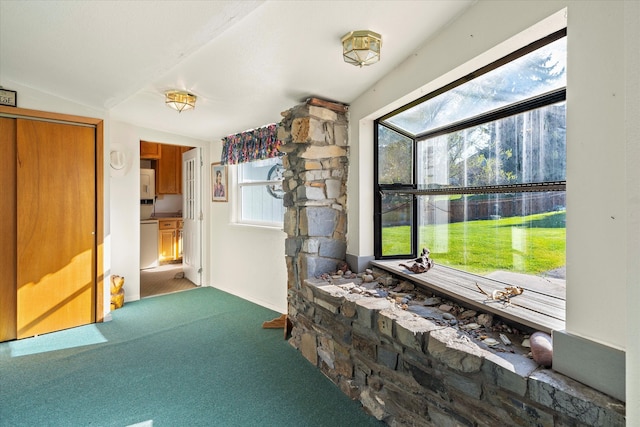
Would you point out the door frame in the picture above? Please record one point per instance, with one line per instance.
(98, 125)
(193, 226)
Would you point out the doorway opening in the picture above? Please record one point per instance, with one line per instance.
(170, 238)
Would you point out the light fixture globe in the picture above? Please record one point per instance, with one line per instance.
(180, 100)
(361, 47)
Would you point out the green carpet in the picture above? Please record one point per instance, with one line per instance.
(194, 358)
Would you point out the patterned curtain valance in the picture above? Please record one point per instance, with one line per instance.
(256, 144)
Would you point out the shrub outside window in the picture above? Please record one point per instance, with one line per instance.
(476, 171)
(260, 189)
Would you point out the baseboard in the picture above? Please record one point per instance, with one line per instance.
(593, 364)
(358, 263)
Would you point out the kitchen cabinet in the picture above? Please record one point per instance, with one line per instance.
(149, 150)
(179, 239)
(169, 173)
(167, 161)
(169, 176)
(170, 240)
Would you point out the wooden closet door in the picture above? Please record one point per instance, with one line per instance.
(7, 229)
(56, 224)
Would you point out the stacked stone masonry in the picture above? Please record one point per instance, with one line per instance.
(408, 370)
(315, 177)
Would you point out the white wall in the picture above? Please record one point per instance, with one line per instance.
(602, 131)
(597, 188)
(246, 261)
(632, 145)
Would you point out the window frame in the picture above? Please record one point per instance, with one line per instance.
(531, 47)
(259, 183)
(545, 99)
(537, 309)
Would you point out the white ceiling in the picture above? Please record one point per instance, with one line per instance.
(246, 60)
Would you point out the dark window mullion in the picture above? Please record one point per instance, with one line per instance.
(487, 189)
(377, 198)
(540, 101)
(500, 62)
(414, 202)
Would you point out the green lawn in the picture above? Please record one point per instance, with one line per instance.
(532, 244)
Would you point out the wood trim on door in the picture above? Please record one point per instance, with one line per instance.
(25, 113)
(99, 274)
(8, 296)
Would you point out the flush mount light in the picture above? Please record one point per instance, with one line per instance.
(180, 100)
(361, 47)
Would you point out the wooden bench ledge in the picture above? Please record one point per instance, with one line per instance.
(540, 307)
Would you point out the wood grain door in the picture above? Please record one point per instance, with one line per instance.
(56, 226)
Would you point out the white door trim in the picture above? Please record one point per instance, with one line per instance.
(192, 215)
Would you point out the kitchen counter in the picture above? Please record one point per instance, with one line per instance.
(167, 215)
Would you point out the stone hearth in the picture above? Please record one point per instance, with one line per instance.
(408, 369)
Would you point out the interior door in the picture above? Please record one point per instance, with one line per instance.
(56, 225)
(192, 215)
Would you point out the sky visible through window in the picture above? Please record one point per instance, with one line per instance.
(538, 72)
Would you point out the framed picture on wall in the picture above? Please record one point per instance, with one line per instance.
(219, 190)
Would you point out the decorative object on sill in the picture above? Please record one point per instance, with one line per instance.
(422, 264)
(219, 181)
(499, 295)
(541, 349)
(361, 47)
(257, 144)
(180, 100)
(117, 292)
(505, 340)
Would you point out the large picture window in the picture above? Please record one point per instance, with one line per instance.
(476, 171)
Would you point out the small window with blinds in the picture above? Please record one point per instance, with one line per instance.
(260, 192)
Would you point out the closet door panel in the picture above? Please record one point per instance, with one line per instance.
(8, 229)
(56, 224)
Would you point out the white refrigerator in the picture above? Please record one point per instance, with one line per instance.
(148, 226)
(148, 243)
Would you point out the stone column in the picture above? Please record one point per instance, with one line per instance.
(315, 183)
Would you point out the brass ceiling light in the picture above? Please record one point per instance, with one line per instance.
(361, 47)
(180, 100)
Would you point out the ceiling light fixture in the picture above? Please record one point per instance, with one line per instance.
(180, 100)
(361, 47)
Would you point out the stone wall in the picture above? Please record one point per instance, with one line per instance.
(410, 370)
(315, 177)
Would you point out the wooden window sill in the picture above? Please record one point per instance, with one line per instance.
(540, 307)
